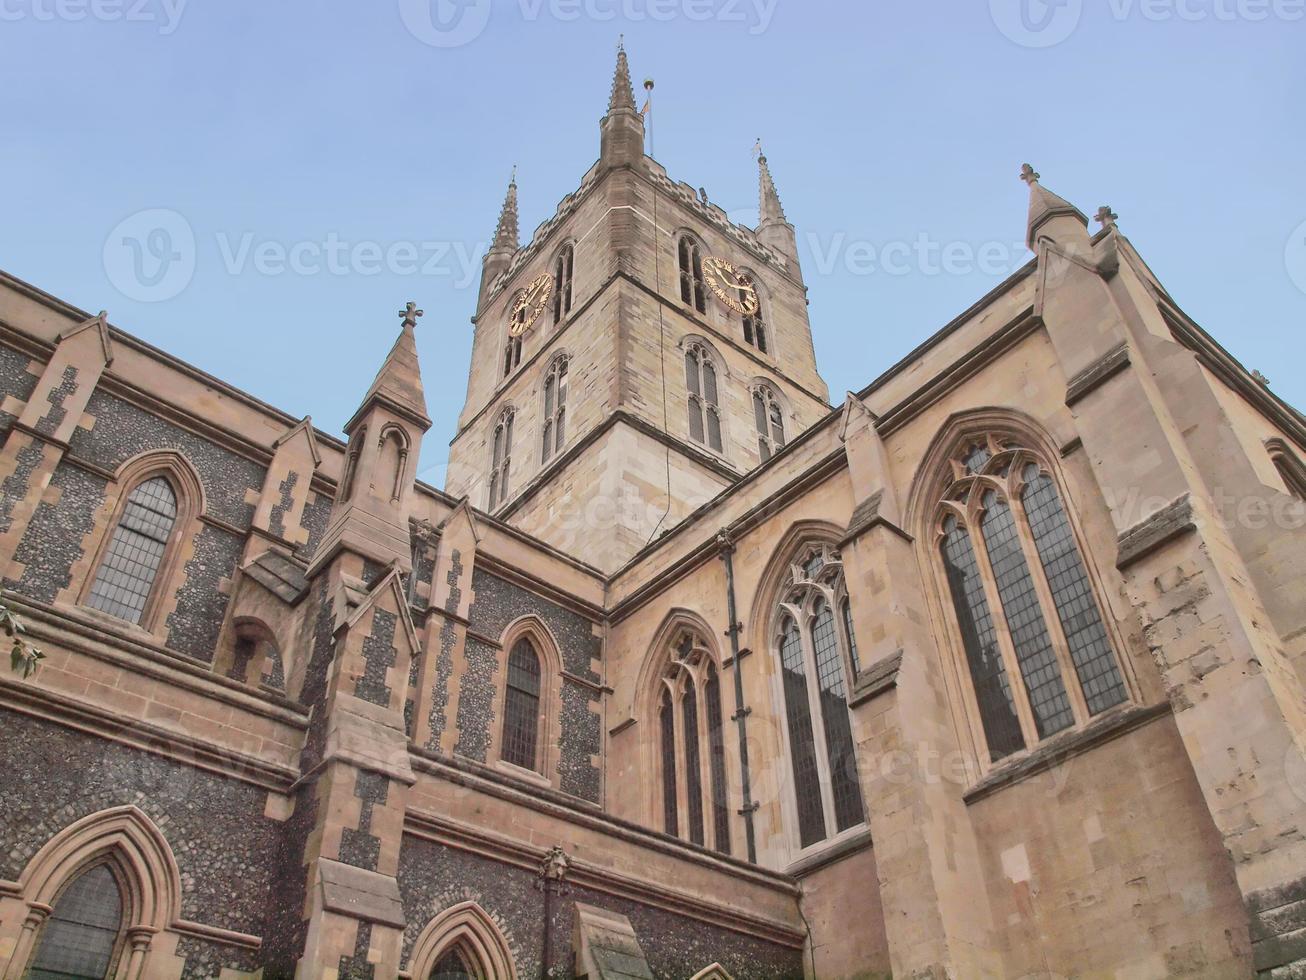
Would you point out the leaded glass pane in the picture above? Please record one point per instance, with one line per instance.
(691, 373)
(123, 581)
(695, 419)
(451, 966)
(717, 758)
(521, 709)
(975, 457)
(693, 770)
(667, 721)
(777, 425)
(709, 383)
(1090, 650)
(980, 640)
(1029, 635)
(78, 940)
(834, 717)
(802, 745)
(713, 428)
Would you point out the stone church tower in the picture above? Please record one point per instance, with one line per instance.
(641, 385)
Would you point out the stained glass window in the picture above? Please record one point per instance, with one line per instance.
(127, 572)
(667, 721)
(521, 708)
(1029, 635)
(987, 671)
(1090, 649)
(693, 764)
(717, 757)
(80, 937)
(802, 744)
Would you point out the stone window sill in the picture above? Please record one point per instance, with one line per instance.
(828, 852)
(526, 775)
(1061, 748)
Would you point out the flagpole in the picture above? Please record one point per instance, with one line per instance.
(647, 113)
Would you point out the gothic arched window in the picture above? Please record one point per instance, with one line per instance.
(81, 937)
(1037, 648)
(127, 571)
(755, 324)
(815, 656)
(768, 416)
(562, 278)
(1290, 468)
(521, 706)
(704, 407)
(692, 745)
(501, 459)
(555, 407)
(452, 966)
(512, 347)
(692, 290)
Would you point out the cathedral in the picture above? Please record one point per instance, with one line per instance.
(992, 668)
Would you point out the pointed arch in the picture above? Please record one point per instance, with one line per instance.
(467, 928)
(128, 839)
(158, 497)
(678, 698)
(714, 972)
(544, 646)
(1031, 647)
(776, 570)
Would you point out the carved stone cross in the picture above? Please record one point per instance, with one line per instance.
(410, 313)
(1028, 174)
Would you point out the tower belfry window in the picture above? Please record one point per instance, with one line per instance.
(754, 324)
(704, 406)
(562, 278)
(501, 459)
(555, 407)
(768, 416)
(693, 292)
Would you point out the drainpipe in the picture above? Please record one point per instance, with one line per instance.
(740, 717)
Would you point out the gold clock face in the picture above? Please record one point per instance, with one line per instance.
(732, 287)
(530, 304)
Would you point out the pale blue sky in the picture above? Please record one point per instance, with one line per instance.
(293, 123)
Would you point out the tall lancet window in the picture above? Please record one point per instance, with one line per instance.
(512, 347)
(768, 416)
(125, 579)
(754, 323)
(501, 459)
(691, 737)
(704, 407)
(521, 707)
(693, 292)
(563, 267)
(815, 657)
(82, 936)
(1036, 645)
(554, 413)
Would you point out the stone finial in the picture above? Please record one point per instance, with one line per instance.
(1053, 215)
(409, 314)
(769, 206)
(505, 232)
(1105, 216)
(623, 93)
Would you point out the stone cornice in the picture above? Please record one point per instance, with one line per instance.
(1140, 540)
(1097, 374)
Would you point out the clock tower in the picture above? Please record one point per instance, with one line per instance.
(637, 356)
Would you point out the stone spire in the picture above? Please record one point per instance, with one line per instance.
(399, 382)
(623, 93)
(506, 234)
(769, 207)
(773, 228)
(621, 131)
(506, 242)
(1054, 215)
